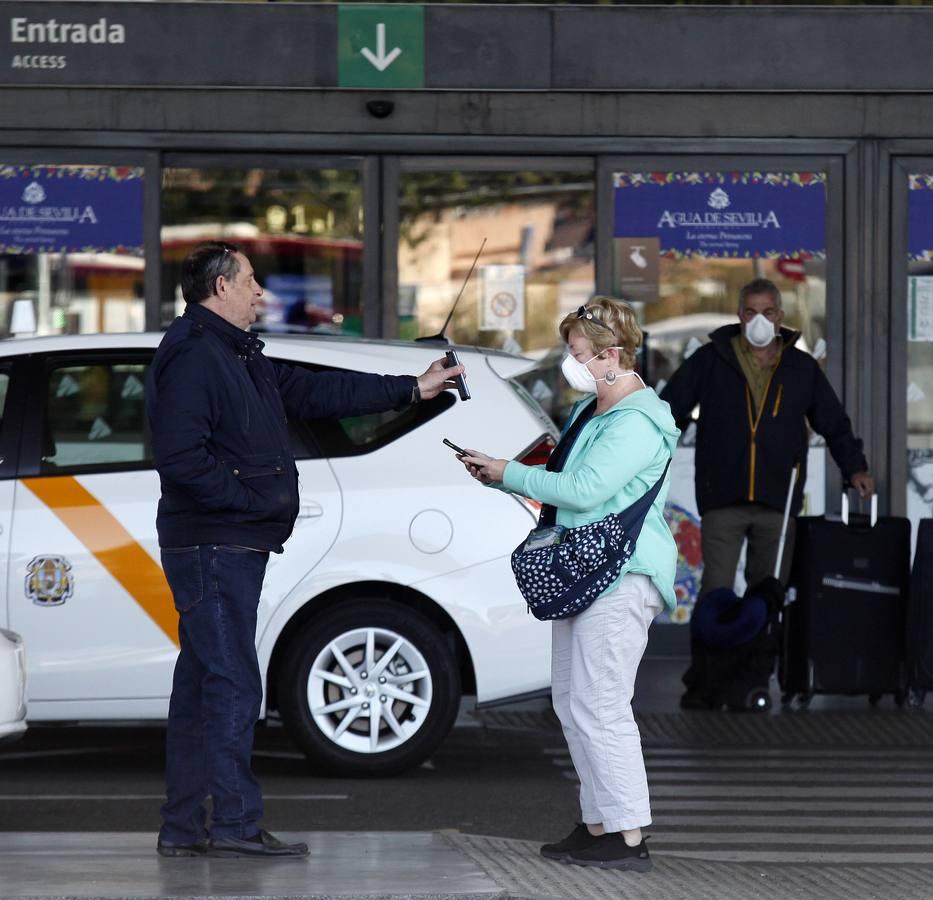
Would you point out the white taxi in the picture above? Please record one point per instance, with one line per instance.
(398, 566)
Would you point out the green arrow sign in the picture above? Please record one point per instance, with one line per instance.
(380, 46)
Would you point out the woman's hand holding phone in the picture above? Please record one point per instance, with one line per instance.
(482, 467)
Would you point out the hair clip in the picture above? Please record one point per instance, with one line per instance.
(584, 313)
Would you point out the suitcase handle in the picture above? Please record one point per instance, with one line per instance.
(845, 508)
(794, 473)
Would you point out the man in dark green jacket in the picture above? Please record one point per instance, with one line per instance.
(756, 394)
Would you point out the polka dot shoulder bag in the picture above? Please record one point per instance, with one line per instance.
(561, 571)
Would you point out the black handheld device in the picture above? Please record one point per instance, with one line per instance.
(458, 450)
(454, 360)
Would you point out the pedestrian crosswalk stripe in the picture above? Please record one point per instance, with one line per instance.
(797, 820)
(788, 805)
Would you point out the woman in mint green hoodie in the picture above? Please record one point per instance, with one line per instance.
(626, 439)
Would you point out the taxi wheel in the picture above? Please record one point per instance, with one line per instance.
(369, 687)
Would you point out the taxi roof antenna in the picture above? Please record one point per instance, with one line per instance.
(441, 335)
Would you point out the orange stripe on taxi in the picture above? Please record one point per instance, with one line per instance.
(112, 545)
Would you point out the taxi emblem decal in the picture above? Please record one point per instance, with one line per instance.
(49, 581)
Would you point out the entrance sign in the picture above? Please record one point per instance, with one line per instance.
(56, 209)
(380, 46)
(723, 214)
(503, 306)
(637, 268)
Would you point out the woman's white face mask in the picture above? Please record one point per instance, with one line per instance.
(580, 378)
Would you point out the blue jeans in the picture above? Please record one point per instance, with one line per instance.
(216, 693)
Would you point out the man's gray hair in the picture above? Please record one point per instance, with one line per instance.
(760, 286)
(204, 265)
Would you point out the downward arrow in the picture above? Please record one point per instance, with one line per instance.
(379, 59)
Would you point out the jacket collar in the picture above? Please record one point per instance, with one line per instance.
(241, 341)
(722, 337)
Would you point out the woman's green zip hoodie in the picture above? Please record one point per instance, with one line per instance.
(616, 458)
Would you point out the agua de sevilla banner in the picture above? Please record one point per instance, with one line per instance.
(920, 217)
(723, 214)
(56, 209)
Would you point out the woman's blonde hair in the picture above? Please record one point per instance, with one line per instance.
(606, 323)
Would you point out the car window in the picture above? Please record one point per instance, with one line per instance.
(354, 435)
(4, 386)
(95, 417)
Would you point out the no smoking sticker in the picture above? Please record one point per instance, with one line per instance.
(503, 307)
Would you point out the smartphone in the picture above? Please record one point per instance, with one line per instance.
(454, 360)
(458, 450)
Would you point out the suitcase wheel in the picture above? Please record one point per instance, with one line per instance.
(915, 698)
(758, 700)
(873, 699)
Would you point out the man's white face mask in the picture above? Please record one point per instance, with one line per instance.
(759, 331)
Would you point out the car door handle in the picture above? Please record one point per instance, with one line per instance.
(310, 511)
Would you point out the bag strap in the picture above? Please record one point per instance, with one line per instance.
(558, 457)
(633, 517)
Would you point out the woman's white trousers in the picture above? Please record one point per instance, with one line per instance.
(595, 656)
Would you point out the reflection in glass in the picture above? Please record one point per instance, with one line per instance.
(301, 229)
(71, 248)
(686, 242)
(536, 266)
(94, 415)
(920, 347)
(699, 295)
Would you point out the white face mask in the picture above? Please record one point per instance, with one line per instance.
(759, 331)
(580, 378)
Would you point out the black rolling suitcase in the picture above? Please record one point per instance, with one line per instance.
(920, 617)
(845, 611)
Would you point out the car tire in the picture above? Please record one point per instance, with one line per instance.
(399, 710)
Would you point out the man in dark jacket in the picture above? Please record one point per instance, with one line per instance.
(218, 414)
(756, 393)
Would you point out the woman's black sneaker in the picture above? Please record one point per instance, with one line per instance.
(579, 838)
(609, 851)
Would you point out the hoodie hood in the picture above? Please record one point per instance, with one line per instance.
(648, 403)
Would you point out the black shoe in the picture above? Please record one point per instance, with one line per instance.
(579, 838)
(261, 844)
(169, 848)
(609, 851)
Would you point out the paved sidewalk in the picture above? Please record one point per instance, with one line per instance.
(818, 804)
(344, 865)
(417, 866)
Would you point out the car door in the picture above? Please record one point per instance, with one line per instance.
(13, 380)
(85, 587)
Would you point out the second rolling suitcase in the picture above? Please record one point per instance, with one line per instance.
(920, 617)
(844, 616)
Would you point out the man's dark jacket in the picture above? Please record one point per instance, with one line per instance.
(218, 413)
(734, 466)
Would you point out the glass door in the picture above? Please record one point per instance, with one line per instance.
(917, 177)
(300, 221)
(537, 217)
(72, 255)
(680, 237)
